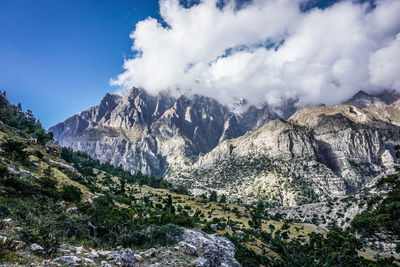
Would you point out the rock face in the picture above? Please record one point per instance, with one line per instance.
(213, 250)
(364, 100)
(149, 133)
(333, 150)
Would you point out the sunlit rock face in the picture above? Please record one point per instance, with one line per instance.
(150, 133)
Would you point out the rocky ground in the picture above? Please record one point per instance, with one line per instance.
(195, 249)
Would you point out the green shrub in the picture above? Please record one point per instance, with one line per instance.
(3, 171)
(71, 193)
(213, 196)
(15, 148)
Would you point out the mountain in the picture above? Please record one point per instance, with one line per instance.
(365, 100)
(333, 150)
(150, 134)
(318, 153)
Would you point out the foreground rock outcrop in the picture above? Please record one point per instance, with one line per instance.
(196, 248)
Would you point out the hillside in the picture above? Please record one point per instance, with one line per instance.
(61, 207)
(319, 153)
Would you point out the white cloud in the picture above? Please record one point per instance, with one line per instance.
(384, 66)
(323, 55)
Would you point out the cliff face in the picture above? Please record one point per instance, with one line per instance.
(151, 133)
(333, 150)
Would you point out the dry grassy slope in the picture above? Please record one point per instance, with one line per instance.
(218, 210)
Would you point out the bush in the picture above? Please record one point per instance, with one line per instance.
(15, 148)
(213, 196)
(3, 171)
(38, 154)
(71, 193)
(41, 136)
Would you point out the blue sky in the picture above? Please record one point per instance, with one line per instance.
(57, 57)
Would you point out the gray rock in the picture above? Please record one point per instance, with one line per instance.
(73, 210)
(188, 248)
(67, 260)
(138, 257)
(214, 250)
(20, 173)
(124, 256)
(148, 253)
(35, 247)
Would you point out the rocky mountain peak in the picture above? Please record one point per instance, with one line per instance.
(150, 132)
(365, 100)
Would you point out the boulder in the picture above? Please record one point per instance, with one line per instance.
(188, 248)
(138, 257)
(213, 249)
(125, 257)
(67, 261)
(148, 253)
(35, 247)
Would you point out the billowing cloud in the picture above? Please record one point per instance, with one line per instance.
(267, 51)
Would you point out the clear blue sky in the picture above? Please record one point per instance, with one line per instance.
(57, 56)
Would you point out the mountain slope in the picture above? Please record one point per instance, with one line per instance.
(333, 150)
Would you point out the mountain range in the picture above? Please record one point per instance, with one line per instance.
(306, 155)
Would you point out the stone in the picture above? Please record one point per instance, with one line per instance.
(67, 260)
(148, 253)
(125, 256)
(215, 250)
(79, 250)
(63, 251)
(214, 226)
(20, 173)
(138, 258)
(88, 261)
(188, 248)
(35, 247)
(103, 253)
(73, 210)
(93, 254)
